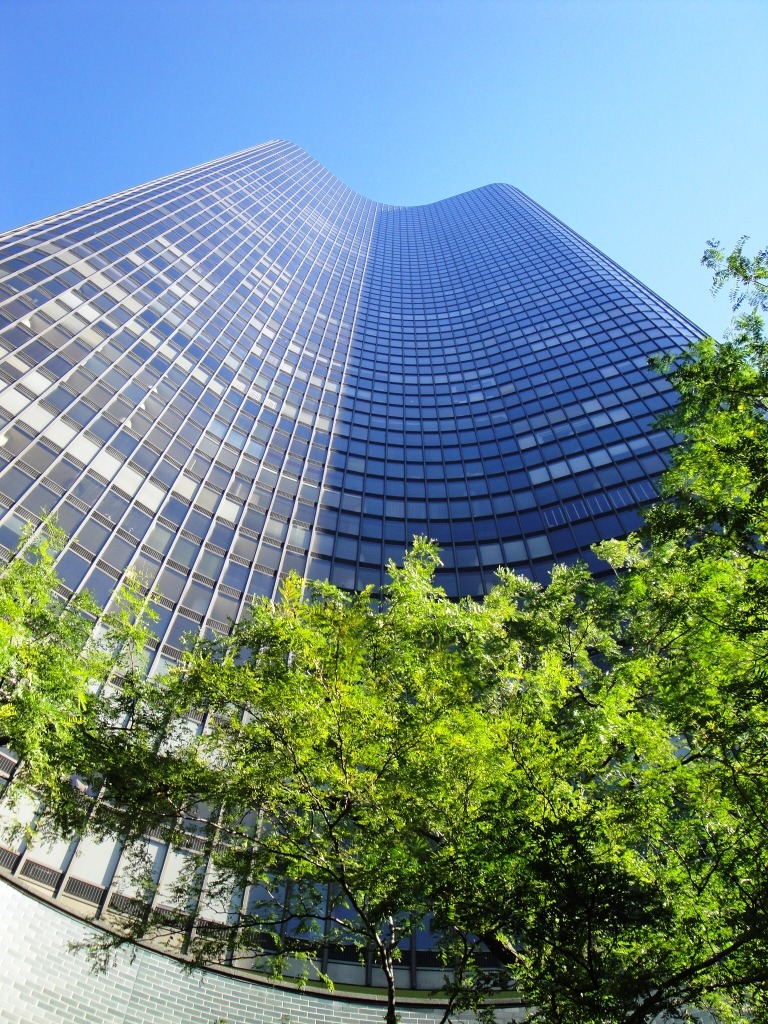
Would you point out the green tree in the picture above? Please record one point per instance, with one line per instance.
(48, 656)
(612, 865)
(619, 867)
(57, 655)
(574, 775)
(342, 733)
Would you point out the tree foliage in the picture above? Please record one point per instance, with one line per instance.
(48, 657)
(644, 892)
(640, 887)
(56, 656)
(343, 734)
(572, 777)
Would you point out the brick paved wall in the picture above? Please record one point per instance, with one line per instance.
(42, 981)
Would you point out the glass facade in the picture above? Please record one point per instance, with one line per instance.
(247, 368)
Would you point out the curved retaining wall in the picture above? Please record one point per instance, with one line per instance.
(43, 981)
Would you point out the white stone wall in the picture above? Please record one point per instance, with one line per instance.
(43, 982)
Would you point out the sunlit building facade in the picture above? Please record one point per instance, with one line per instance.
(246, 368)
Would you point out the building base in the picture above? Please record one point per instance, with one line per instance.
(44, 980)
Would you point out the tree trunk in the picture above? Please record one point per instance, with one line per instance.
(388, 966)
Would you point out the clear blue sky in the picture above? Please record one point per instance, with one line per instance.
(641, 124)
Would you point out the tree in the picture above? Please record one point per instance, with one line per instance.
(56, 656)
(612, 865)
(342, 733)
(619, 868)
(48, 655)
(574, 776)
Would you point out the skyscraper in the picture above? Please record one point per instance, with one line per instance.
(247, 368)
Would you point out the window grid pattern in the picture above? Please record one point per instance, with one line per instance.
(247, 368)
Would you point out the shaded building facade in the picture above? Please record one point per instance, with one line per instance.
(246, 368)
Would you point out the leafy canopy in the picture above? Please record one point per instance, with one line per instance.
(572, 777)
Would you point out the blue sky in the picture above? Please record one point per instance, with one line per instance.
(641, 124)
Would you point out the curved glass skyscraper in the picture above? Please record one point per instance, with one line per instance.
(247, 368)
